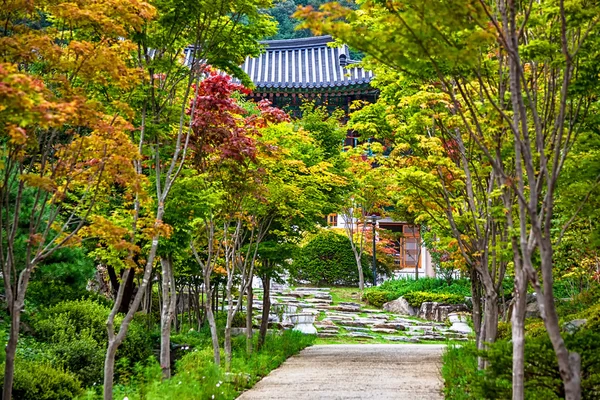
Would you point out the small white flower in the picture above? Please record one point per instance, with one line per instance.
(213, 396)
(218, 384)
(125, 398)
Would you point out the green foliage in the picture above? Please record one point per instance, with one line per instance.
(542, 379)
(436, 288)
(76, 337)
(327, 259)
(41, 381)
(376, 297)
(64, 276)
(415, 299)
(197, 374)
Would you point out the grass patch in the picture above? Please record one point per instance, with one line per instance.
(197, 377)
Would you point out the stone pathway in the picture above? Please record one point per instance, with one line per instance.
(311, 310)
(373, 371)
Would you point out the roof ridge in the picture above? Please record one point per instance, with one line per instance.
(297, 43)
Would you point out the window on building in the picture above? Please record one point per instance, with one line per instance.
(409, 252)
(332, 219)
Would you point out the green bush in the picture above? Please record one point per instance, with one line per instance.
(327, 259)
(377, 297)
(76, 335)
(542, 378)
(415, 299)
(395, 288)
(198, 377)
(61, 277)
(41, 381)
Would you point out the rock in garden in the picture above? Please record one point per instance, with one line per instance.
(384, 330)
(402, 339)
(434, 311)
(400, 306)
(360, 335)
(573, 326)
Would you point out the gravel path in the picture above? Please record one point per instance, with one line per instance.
(371, 371)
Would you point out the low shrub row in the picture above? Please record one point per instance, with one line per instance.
(436, 289)
(415, 299)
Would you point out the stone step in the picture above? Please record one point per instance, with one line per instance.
(360, 335)
(401, 339)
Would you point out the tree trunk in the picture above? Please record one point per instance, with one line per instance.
(109, 369)
(569, 363)
(518, 336)
(476, 300)
(249, 312)
(361, 275)
(489, 328)
(11, 350)
(210, 317)
(169, 295)
(264, 322)
(227, 346)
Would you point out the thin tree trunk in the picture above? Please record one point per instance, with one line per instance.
(210, 317)
(249, 312)
(109, 368)
(169, 294)
(476, 300)
(11, 350)
(518, 336)
(266, 303)
(114, 341)
(569, 363)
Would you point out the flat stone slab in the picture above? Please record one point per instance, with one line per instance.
(384, 330)
(355, 329)
(326, 335)
(311, 289)
(385, 371)
(391, 325)
(407, 339)
(361, 322)
(360, 335)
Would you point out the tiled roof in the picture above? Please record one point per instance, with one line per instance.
(306, 63)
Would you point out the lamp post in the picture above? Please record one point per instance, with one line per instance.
(374, 219)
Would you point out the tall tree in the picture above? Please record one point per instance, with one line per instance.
(64, 143)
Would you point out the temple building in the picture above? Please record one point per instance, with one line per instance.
(290, 72)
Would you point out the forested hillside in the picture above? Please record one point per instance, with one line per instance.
(282, 11)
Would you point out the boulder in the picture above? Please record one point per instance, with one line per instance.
(438, 312)
(533, 310)
(573, 326)
(400, 306)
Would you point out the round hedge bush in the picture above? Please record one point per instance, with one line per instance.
(327, 259)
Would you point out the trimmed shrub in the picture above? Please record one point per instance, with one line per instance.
(377, 297)
(327, 259)
(415, 299)
(41, 381)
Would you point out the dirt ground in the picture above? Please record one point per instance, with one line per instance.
(370, 371)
